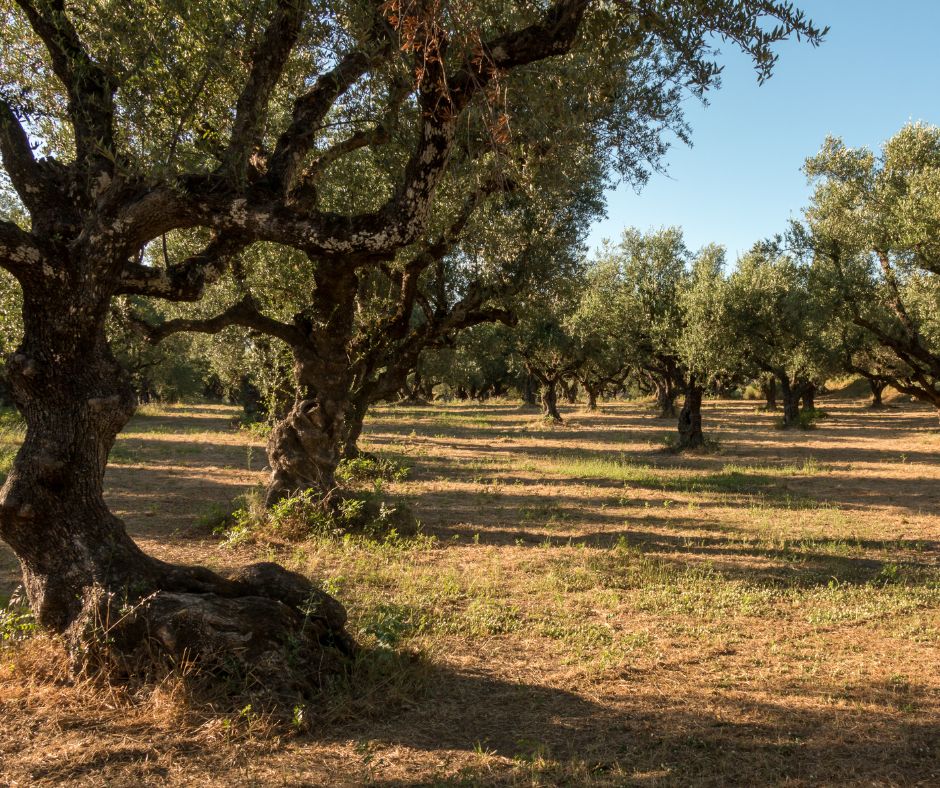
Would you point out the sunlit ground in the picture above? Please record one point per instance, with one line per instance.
(580, 605)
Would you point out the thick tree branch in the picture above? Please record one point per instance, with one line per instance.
(185, 281)
(431, 253)
(89, 89)
(19, 253)
(267, 65)
(909, 350)
(243, 313)
(553, 35)
(379, 134)
(896, 303)
(18, 160)
(312, 107)
(444, 96)
(265, 216)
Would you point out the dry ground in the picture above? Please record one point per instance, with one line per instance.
(581, 607)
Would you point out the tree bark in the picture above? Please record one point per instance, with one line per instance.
(808, 395)
(591, 397)
(877, 389)
(570, 390)
(529, 392)
(666, 399)
(690, 419)
(791, 402)
(769, 390)
(305, 447)
(550, 401)
(352, 429)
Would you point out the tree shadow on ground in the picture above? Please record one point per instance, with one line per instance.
(512, 731)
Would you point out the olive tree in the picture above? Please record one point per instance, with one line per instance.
(597, 329)
(671, 312)
(709, 352)
(874, 233)
(780, 321)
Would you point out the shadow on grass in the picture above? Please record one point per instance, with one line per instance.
(521, 732)
(561, 736)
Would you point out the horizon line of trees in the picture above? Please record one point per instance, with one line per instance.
(504, 299)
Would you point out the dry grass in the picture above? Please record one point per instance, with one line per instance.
(581, 607)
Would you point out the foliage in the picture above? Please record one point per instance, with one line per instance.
(16, 619)
(782, 321)
(307, 515)
(873, 227)
(371, 468)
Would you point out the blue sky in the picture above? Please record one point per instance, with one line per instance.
(741, 181)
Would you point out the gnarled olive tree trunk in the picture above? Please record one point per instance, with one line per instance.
(352, 430)
(592, 394)
(75, 399)
(305, 447)
(550, 400)
(666, 394)
(791, 393)
(570, 390)
(808, 395)
(530, 392)
(769, 390)
(690, 419)
(878, 386)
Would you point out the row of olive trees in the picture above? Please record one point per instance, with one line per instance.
(650, 313)
(855, 289)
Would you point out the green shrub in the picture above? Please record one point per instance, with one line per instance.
(16, 619)
(808, 418)
(753, 392)
(306, 515)
(365, 468)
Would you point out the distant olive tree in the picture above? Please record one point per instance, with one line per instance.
(874, 235)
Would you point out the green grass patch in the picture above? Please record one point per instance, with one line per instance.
(12, 430)
(732, 478)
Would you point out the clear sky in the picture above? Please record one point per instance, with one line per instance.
(878, 68)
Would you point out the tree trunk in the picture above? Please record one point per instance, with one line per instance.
(591, 397)
(550, 401)
(529, 392)
(305, 447)
(877, 389)
(84, 576)
(570, 391)
(791, 402)
(666, 399)
(690, 419)
(808, 395)
(426, 391)
(352, 429)
(75, 399)
(769, 390)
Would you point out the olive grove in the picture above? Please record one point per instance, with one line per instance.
(228, 125)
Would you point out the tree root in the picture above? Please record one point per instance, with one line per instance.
(267, 632)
